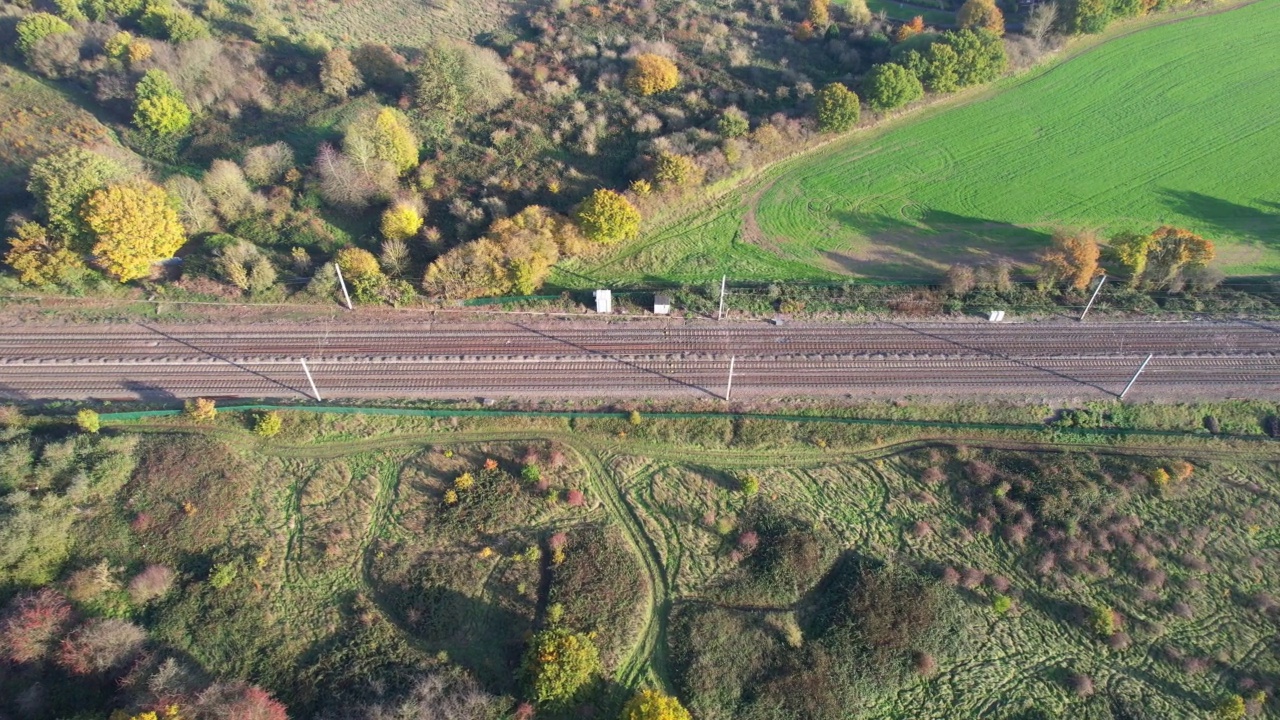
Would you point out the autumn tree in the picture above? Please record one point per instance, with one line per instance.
(1172, 251)
(382, 135)
(651, 74)
(201, 409)
(268, 424)
(32, 625)
(909, 30)
(607, 217)
(514, 256)
(62, 181)
(380, 66)
(1157, 259)
(1072, 260)
(339, 76)
(40, 259)
(559, 665)
(36, 27)
(981, 14)
(158, 105)
(653, 705)
(675, 170)
(819, 13)
(838, 108)
(858, 12)
(133, 225)
(890, 85)
(357, 263)
(401, 221)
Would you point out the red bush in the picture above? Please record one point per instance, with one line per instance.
(240, 701)
(557, 541)
(33, 623)
(748, 541)
(101, 646)
(575, 498)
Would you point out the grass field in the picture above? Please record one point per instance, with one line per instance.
(349, 564)
(399, 23)
(36, 119)
(906, 11)
(1173, 124)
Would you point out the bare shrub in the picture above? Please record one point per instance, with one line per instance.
(950, 576)
(225, 185)
(748, 541)
(214, 76)
(932, 476)
(194, 207)
(1081, 684)
(1119, 641)
(924, 664)
(971, 578)
(266, 164)
(438, 695)
(101, 646)
(153, 582)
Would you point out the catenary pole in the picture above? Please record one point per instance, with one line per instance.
(1093, 297)
(307, 370)
(1135, 376)
(720, 312)
(344, 286)
(729, 387)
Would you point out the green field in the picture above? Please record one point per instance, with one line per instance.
(1174, 124)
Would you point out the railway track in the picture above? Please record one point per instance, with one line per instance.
(639, 360)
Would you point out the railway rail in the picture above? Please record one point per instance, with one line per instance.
(639, 359)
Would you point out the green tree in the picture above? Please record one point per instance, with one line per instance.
(653, 705)
(559, 665)
(1087, 16)
(61, 182)
(733, 123)
(838, 108)
(40, 259)
(87, 421)
(981, 57)
(608, 217)
(383, 134)
(456, 79)
(1102, 620)
(338, 74)
(134, 225)
(36, 27)
(158, 105)
(938, 67)
(515, 255)
(890, 85)
(268, 424)
(1231, 708)
(161, 19)
(675, 170)
(749, 485)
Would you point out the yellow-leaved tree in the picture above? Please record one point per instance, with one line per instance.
(401, 221)
(515, 256)
(653, 705)
(608, 217)
(39, 258)
(382, 134)
(133, 226)
(651, 74)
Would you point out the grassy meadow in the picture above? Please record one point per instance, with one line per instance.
(871, 573)
(1174, 124)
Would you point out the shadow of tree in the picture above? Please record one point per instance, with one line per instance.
(1232, 218)
(923, 247)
